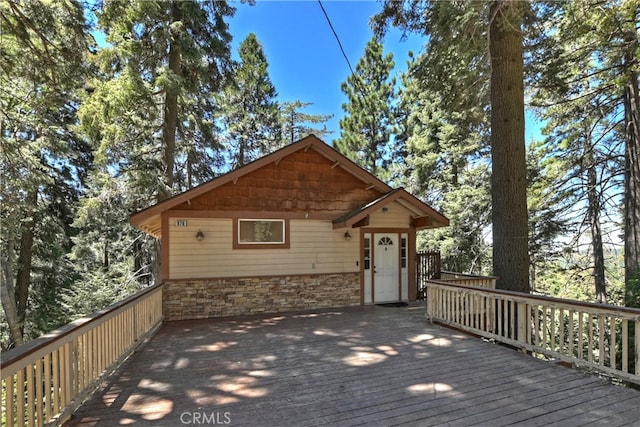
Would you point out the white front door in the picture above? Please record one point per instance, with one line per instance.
(386, 268)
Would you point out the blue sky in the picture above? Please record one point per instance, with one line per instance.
(305, 61)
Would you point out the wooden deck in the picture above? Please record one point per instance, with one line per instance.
(359, 366)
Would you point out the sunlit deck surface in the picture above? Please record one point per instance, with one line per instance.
(357, 366)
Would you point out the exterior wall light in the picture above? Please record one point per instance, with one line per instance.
(199, 235)
(347, 236)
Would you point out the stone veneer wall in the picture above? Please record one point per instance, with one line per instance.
(197, 299)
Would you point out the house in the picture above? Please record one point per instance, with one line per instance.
(303, 227)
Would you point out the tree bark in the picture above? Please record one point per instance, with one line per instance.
(25, 257)
(7, 294)
(171, 102)
(632, 185)
(594, 208)
(508, 178)
(170, 124)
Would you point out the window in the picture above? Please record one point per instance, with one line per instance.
(403, 252)
(385, 241)
(261, 233)
(367, 253)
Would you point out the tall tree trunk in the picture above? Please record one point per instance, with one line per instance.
(171, 102)
(170, 124)
(7, 293)
(509, 169)
(241, 150)
(594, 208)
(25, 257)
(632, 185)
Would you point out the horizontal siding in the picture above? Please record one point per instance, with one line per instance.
(315, 248)
(396, 216)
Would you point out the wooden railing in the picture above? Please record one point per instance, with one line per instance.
(428, 267)
(601, 337)
(44, 380)
(488, 282)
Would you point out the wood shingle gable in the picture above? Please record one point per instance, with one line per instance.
(149, 220)
(300, 182)
(306, 179)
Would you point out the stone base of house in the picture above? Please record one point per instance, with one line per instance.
(197, 299)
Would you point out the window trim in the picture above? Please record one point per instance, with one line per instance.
(236, 235)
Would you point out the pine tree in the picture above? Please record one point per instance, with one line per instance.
(43, 161)
(508, 159)
(586, 80)
(296, 124)
(103, 249)
(151, 113)
(460, 28)
(151, 106)
(548, 202)
(249, 110)
(446, 142)
(367, 127)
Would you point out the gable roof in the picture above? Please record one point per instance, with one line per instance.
(148, 219)
(426, 216)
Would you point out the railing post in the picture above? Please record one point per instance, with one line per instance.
(637, 348)
(45, 380)
(523, 322)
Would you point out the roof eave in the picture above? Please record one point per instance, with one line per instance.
(435, 218)
(309, 142)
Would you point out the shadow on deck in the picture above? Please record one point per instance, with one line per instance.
(354, 366)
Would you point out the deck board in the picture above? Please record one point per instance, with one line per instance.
(369, 366)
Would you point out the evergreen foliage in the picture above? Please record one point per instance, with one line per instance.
(366, 129)
(92, 133)
(249, 109)
(43, 161)
(581, 80)
(447, 156)
(297, 124)
(151, 117)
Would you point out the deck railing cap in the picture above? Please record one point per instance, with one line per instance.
(32, 346)
(553, 300)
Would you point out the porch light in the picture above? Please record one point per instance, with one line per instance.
(347, 236)
(199, 235)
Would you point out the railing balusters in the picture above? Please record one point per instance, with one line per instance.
(570, 322)
(590, 348)
(544, 327)
(612, 342)
(48, 403)
(31, 405)
(56, 382)
(20, 389)
(561, 324)
(637, 348)
(582, 333)
(552, 330)
(625, 345)
(601, 333)
(44, 380)
(499, 317)
(38, 384)
(9, 399)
